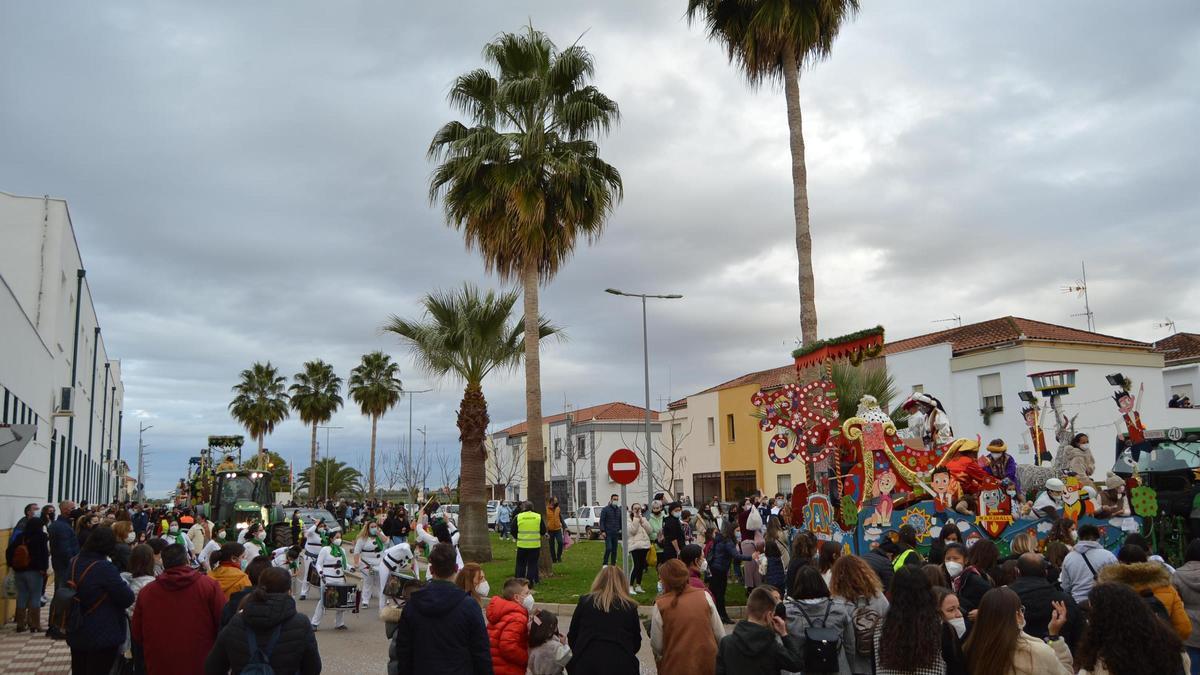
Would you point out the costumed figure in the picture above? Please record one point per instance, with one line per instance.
(1076, 501)
(441, 531)
(1033, 421)
(1078, 459)
(288, 558)
(1114, 503)
(227, 464)
(932, 425)
(368, 547)
(1050, 500)
(972, 479)
(397, 561)
(1127, 404)
(332, 564)
(945, 492)
(885, 482)
(999, 464)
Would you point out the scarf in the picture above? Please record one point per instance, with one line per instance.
(339, 553)
(957, 582)
(179, 539)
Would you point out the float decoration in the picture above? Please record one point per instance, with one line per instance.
(1144, 500)
(854, 347)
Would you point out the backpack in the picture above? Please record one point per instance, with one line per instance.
(66, 609)
(821, 643)
(1156, 606)
(865, 621)
(260, 659)
(20, 556)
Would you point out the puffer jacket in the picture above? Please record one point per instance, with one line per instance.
(295, 651)
(804, 613)
(105, 595)
(1187, 582)
(724, 552)
(508, 633)
(639, 534)
(1154, 578)
(231, 577)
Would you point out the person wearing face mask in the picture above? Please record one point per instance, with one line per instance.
(255, 546)
(368, 547)
(655, 518)
(673, 538)
(1038, 598)
(219, 539)
(315, 538)
(998, 645)
(1077, 457)
(1114, 503)
(610, 527)
(508, 627)
(331, 564)
(228, 570)
(174, 536)
(639, 547)
(1049, 502)
(999, 464)
(123, 531)
(472, 580)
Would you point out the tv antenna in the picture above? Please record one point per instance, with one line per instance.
(956, 319)
(1168, 324)
(1080, 288)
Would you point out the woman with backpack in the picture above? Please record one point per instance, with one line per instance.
(821, 623)
(854, 582)
(28, 556)
(94, 619)
(268, 633)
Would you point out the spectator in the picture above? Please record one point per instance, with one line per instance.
(1149, 579)
(1138, 539)
(472, 580)
(760, 644)
(1038, 598)
(804, 552)
(724, 554)
(96, 642)
(936, 575)
(880, 560)
(31, 512)
(548, 649)
(908, 554)
(684, 625)
(998, 646)
(605, 632)
(228, 569)
(441, 630)
(123, 531)
(508, 627)
(911, 638)
(177, 617)
(1187, 582)
(948, 535)
(554, 529)
(199, 533)
(639, 547)
(809, 605)
(157, 545)
(139, 575)
(673, 539)
(854, 582)
(530, 530)
(28, 556)
(254, 572)
(138, 518)
(504, 517)
(1124, 637)
(1082, 565)
(1023, 543)
(268, 621)
(692, 556)
(977, 577)
(776, 550)
(63, 543)
(950, 610)
(829, 554)
(610, 528)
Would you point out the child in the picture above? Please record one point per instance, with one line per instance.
(508, 627)
(548, 650)
(760, 643)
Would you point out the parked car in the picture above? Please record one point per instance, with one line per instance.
(449, 512)
(493, 509)
(310, 516)
(585, 522)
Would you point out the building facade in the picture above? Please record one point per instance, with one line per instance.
(56, 372)
(1181, 357)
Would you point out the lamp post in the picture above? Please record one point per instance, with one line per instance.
(313, 487)
(646, 373)
(410, 432)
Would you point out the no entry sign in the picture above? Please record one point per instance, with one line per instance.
(624, 466)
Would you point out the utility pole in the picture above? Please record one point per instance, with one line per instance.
(410, 426)
(311, 488)
(141, 486)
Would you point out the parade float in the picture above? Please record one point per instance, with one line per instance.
(865, 478)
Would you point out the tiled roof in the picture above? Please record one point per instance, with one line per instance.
(1004, 330)
(605, 412)
(1179, 348)
(765, 379)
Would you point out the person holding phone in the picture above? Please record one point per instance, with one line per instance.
(760, 643)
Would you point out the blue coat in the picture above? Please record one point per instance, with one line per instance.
(63, 543)
(723, 553)
(441, 632)
(610, 520)
(139, 521)
(104, 589)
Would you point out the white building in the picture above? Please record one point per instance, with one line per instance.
(55, 369)
(1181, 354)
(984, 366)
(578, 444)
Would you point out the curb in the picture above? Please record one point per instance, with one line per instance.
(644, 611)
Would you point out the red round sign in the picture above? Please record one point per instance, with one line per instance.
(624, 466)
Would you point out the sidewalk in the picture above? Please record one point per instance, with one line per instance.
(33, 653)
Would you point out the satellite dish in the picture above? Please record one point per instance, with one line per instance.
(13, 439)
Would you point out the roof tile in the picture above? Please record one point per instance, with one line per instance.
(605, 412)
(1007, 329)
(1179, 348)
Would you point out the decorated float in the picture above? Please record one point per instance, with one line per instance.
(865, 477)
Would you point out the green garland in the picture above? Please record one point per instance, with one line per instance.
(830, 342)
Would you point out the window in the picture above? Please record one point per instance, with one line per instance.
(582, 441)
(989, 393)
(678, 487)
(581, 491)
(918, 389)
(712, 431)
(558, 448)
(729, 424)
(783, 483)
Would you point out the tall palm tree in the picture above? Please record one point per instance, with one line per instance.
(260, 401)
(316, 395)
(342, 479)
(468, 334)
(523, 180)
(770, 40)
(375, 387)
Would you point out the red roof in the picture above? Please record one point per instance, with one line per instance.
(1005, 330)
(765, 379)
(1179, 348)
(605, 412)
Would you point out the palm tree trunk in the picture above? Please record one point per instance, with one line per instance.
(808, 303)
(371, 477)
(535, 453)
(472, 428)
(258, 460)
(312, 467)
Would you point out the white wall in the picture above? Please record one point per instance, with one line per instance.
(1184, 379)
(702, 456)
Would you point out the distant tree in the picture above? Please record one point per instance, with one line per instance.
(376, 388)
(316, 396)
(343, 480)
(260, 402)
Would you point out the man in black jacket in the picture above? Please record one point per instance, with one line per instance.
(441, 630)
(610, 525)
(673, 539)
(63, 543)
(1036, 594)
(880, 560)
(760, 644)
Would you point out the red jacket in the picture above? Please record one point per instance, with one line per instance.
(176, 620)
(508, 632)
(971, 477)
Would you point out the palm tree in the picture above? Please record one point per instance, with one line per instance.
(260, 402)
(376, 389)
(524, 182)
(342, 479)
(468, 334)
(770, 40)
(316, 395)
(852, 383)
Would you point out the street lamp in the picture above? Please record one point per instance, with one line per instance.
(409, 471)
(313, 487)
(646, 372)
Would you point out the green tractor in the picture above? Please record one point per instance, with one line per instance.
(240, 497)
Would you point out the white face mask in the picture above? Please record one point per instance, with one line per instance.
(960, 625)
(37, 513)
(174, 529)
(615, 502)
(778, 502)
(1085, 446)
(703, 566)
(1074, 535)
(482, 588)
(527, 603)
(337, 541)
(676, 513)
(220, 534)
(953, 569)
(130, 537)
(659, 588)
(995, 455)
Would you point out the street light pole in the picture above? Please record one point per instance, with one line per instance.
(326, 472)
(410, 432)
(142, 428)
(646, 374)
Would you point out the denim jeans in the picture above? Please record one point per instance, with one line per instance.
(29, 589)
(1194, 654)
(610, 548)
(556, 545)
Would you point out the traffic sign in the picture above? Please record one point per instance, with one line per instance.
(624, 466)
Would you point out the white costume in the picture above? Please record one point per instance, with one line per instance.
(1044, 500)
(206, 553)
(279, 559)
(932, 428)
(253, 550)
(182, 539)
(425, 536)
(394, 560)
(329, 566)
(367, 551)
(313, 541)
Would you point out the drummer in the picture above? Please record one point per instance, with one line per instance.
(315, 538)
(369, 545)
(288, 558)
(331, 566)
(397, 560)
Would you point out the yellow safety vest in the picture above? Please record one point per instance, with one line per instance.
(529, 530)
(899, 561)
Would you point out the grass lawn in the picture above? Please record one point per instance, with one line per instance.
(573, 576)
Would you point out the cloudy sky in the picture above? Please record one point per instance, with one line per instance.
(248, 182)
